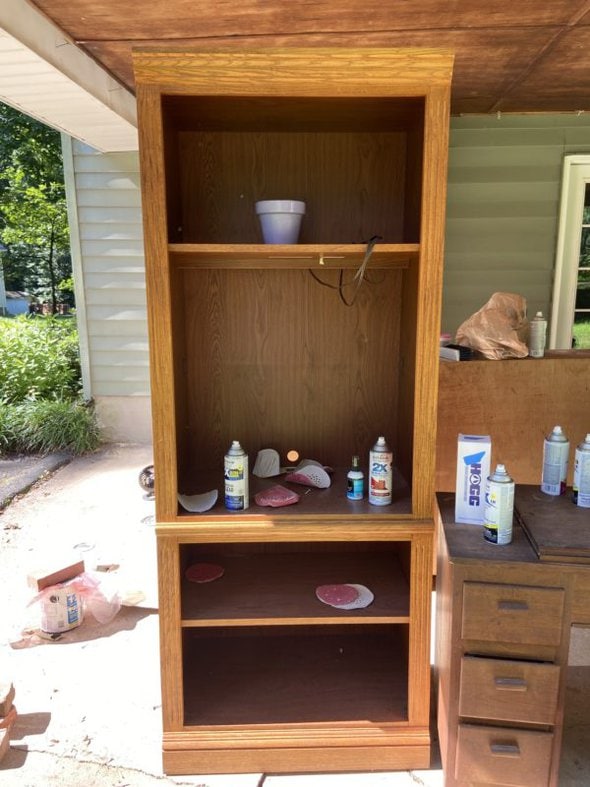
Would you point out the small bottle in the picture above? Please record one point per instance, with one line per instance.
(581, 485)
(235, 473)
(380, 474)
(355, 481)
(499, 507)
(556, 449)
(537, 336)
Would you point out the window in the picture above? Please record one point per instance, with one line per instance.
(570, 323)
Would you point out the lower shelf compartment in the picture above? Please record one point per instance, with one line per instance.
(305, 675)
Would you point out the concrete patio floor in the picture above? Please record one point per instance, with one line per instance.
(89, 704)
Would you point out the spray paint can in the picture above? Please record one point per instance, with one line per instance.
(537, 336)
(380, 473)
(499, 507)
(355, 481)
(235, 473)
(556, 450)
(581, 495)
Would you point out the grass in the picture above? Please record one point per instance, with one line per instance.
(44, 426)
(581, 334)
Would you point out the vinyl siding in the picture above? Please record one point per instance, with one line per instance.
(504, 184)
(106, 192)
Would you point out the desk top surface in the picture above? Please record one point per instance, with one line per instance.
(557, 528)
(546, 528)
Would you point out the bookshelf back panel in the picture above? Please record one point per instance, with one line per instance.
(275, 359)
(353, 184)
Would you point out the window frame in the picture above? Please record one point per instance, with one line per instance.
(575, 177)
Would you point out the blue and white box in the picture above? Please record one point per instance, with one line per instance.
(474, 454)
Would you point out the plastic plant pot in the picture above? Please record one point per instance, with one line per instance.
(280, 219)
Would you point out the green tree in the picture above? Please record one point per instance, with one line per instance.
(33, 212)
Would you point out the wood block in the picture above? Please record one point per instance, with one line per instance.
(54, 574)
(4, 743)
(8, 720)
(6, 698)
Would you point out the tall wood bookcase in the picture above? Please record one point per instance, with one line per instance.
(247, 344)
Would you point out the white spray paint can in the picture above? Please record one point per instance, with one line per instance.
(537, 336)
(581, 492)
(235, 473)
(556, 451)
(499, 507)
(380, 473)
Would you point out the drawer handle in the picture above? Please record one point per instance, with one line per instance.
(513, 605)
(510, 684)
(505, 749)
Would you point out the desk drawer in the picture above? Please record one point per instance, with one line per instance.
(507, 690)
(515, 614)
(503, 756)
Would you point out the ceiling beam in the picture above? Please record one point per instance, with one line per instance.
(45, 75)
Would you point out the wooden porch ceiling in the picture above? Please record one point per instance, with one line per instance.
(511, 55)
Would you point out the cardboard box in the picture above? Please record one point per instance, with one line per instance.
(53, 574)
(474, 453)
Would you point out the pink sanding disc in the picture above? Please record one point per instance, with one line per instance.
(204, 572)
(337, 595)
(276, 497)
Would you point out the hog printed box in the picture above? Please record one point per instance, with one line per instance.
(473, 467)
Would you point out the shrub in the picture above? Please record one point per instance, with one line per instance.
(40, 383)
(39, 359)
(44, 426)
(8, 428)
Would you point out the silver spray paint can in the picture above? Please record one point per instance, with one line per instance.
(235, 473)
(581, 493)
(556, 450)
(380, 473)
(499, 507)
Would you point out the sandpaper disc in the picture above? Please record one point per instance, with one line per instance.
(337, 595)
(204, 572)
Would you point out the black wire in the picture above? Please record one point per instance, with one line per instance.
(358, 278)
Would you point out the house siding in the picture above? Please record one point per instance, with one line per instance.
(104, 201)
(504, 187)
(504, 184)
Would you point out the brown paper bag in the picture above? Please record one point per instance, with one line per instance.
(499, 329)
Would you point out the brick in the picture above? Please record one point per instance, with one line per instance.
(54, 574)
(6, 698)
(4, 743)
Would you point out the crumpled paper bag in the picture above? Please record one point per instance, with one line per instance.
(499, 329)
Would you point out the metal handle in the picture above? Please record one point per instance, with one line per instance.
(510, 684)
(513, 605)
(505, 749)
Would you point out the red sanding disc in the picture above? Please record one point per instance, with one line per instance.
(204, 572)
(337, 595)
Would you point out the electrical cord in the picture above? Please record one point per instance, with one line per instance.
(357, 279)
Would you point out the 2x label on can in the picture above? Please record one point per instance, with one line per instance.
(380, 478)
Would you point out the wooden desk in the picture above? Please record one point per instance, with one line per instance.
(502, 640)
